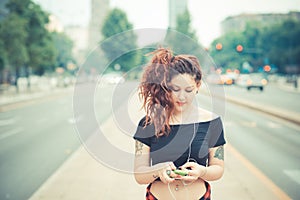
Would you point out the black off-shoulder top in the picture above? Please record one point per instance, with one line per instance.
(185, 141)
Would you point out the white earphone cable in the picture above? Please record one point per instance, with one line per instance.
(188, 159)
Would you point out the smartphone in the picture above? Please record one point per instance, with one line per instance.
(180, 172)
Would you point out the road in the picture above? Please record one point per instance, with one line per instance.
(36, 139)
(269, 143)
(271, 96)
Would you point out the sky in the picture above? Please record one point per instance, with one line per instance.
(206, 15)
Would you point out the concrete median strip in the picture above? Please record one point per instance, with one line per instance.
(82, 176)
(276, 112)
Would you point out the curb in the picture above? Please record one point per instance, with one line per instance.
(279, 113)
(293, 117)
(16, 100)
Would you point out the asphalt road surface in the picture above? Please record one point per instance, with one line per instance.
(36, 139)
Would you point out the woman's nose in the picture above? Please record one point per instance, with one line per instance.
(181, 96)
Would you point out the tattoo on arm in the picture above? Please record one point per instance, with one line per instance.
(138, 148)
(219, 153)
(155, 176)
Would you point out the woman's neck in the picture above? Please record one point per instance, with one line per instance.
(184, 116)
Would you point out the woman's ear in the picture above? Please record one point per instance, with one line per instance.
(198, 86)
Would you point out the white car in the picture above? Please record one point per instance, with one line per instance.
(112, 78)
(253, 80)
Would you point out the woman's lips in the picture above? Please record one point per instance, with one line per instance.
(180, 103)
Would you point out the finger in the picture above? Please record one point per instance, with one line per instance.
(172, 166)
(189, 164)
(192, 173)
(168, 175)
(163, 179)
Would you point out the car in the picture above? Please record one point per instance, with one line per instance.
(219, 79)
(253, 80)
(112, 78)
(226, 79)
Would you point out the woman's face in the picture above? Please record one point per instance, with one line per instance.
(184, 88)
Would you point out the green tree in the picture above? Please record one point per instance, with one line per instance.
(183, 32)
(227, 56)
(41, 49)
(64, 45)
(119, 40)
(281, 44)
(183, 25)
(277, 45)
(3, 54)
(39, 45)
(13, 32)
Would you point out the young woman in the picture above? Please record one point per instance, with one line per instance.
(179, 146)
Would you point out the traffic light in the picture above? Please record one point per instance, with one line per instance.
(219, 46)
(239, 48)
(267, 68)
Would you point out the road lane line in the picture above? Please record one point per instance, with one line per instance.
(5, 122)
(274, 188)
(10, 133)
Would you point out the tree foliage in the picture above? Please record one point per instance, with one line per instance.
(119, 40)
(277, 45)
(3, 55)
(63, 45)
(281, 44)
(183, 25)
(13, 32)
(25, 42)
(183, 32)
(40, 45)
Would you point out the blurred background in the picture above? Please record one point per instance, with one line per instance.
(249, 52)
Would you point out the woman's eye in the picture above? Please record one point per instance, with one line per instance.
(189, 91)
(175, 90)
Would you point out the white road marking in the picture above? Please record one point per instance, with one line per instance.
(249, 124)
(10, 133)
(5, 122)
(229, 123)
(273, 125)
(293, 174)
(75, 120)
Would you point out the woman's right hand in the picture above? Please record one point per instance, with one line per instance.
(166, 173)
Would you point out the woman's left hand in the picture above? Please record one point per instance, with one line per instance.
(194, 171)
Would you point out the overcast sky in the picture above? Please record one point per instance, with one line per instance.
(206, 15)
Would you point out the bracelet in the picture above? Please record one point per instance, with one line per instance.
(203, 174)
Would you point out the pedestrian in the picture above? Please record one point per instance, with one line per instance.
(179, 145)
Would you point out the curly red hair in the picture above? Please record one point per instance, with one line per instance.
(154, 86)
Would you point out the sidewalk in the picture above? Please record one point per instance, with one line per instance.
(10, 97)
(83, 177)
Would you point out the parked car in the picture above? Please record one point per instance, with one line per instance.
(253, 80)
(219, 79)
(226, 79)
(112, 78)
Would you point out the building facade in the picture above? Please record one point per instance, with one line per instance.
(239, 22)
(99, 10)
